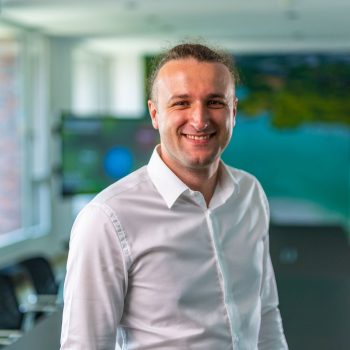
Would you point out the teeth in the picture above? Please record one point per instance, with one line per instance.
(195, 137)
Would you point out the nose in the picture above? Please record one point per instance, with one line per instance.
(199, 117)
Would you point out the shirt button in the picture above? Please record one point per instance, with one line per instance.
(236, 339)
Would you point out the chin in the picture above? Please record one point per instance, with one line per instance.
(201, 163)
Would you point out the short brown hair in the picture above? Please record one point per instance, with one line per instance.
(199, 52)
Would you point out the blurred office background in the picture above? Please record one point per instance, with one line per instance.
(73, 119)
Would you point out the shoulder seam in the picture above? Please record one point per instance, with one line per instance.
(101, 200)
(119, 230)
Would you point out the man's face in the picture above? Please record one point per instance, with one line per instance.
(194, 109)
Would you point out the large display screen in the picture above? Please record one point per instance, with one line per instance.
(99, 150)
(293, 133)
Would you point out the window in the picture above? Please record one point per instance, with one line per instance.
(24, 190)
(10, 141)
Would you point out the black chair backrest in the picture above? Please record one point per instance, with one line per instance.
(41, 274)
(10, 314)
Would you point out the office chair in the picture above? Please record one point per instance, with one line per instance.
(43, 279)
(41, 274)
(11, 316)
(18, 316)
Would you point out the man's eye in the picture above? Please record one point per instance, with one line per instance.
(216, 103)
(181, 103)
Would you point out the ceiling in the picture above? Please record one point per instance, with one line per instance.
(320, 23)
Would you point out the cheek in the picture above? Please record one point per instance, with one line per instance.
(229, 131)
(164, 129)
(230, 126)
(230, 123)
(171, 123)
(226, 130)
(225, 123)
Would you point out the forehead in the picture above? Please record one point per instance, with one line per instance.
(186, 73)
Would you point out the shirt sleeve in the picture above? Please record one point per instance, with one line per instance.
(95, 284)
(271, 336)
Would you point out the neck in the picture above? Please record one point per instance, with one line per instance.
(206, 185)
(201, 180)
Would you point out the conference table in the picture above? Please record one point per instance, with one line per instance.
(45, 335)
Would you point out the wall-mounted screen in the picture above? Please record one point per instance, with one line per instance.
(99, 150)
(293, 133)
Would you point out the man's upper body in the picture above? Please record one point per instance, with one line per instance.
(148, 256)
(176, 255)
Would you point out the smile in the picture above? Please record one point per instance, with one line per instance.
(198, 137)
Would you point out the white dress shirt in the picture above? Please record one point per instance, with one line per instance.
(148, 258)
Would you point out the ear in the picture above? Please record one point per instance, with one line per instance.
(152, 108)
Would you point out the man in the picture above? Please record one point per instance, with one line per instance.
(176, 255)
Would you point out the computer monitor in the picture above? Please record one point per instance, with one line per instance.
(99, 150)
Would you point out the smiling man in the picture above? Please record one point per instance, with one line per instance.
(176, 255)
(194, 107)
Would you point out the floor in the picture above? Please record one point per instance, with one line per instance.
(312, 267)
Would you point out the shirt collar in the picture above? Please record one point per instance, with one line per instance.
(170, 187)
(166, 182)
(226, 187)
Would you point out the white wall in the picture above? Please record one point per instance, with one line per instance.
(61, 54)
(127, 85)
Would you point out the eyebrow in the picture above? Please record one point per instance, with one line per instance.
(176, 97)
(216, 95)
(213, 95)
